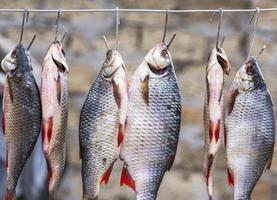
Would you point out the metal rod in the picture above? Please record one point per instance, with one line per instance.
(106, 42)
(137, 10)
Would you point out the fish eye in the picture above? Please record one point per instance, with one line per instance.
(63, 52)
(249, 70)
(164, 53)
(13, 54)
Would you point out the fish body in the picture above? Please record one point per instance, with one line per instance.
(250, 129)
(152, 125)
(102, 123)
(54, 98)
(214, 112)
(21, 114)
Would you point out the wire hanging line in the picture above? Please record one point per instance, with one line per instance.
(135, 10)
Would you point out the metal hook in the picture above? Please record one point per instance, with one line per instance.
(58, 24)
(32, 41)
(165, 25)
(22, 25)
(222, 41)
(219, 25)
(106, 42)
(64, 35)
(260, 52)
(116, 30)
(171, 40)
(257, 13)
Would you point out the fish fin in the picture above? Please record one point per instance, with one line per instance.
(106, 176)
(231, 99)
(170, 162)
(126, 178)
(10, 195)
(10, 89)
(47, 129)
(269, 162)
(230, 177)
(3, 122)
(60, 63)
(120, 135)
(116, 94)
(214, 130)
(145, 89)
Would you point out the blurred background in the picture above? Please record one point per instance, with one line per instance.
(85, 52)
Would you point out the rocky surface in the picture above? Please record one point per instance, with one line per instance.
(138, 33)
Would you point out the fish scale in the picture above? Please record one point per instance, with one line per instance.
(250, 139)
(152, 132)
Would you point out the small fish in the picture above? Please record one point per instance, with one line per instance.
(153, 124)
(54, 99)
(21, 116)
(102, 124)
(213, 111)
(250, 129)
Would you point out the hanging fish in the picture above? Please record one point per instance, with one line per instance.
(153, 124)
(250, 129)
(21, 114)
(213, 111)
(102, 124)
(54, 98)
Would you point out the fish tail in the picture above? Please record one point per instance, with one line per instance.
(10, 195)
(208, 173)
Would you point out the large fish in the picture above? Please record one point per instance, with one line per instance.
(102, 124)
(21, 114)
(213, 111)
(54, 99)
(250, 129)
(152, 125)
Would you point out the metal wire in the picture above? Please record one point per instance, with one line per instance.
(117, 21)
(137, 10)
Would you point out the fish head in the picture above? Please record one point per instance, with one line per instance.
(112, 63)
(18, 55)
(218, 55)
(158, 58)
(56, 52)
(249, 76)
(9, 62)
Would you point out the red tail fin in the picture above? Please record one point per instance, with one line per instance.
(214, 130)
(10, 195)
(230, 178)
(106, 175)
(126, 179)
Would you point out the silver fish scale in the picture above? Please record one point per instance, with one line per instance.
(57, 152)
(250, 139)
(99, 124)
(151, 133)
(22, 125)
